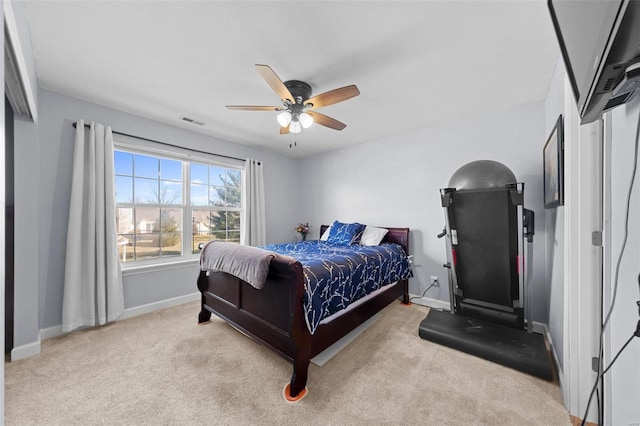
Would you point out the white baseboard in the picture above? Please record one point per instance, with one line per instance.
(429, 302)
(51, 332)
(25, 351)
(547, 334)
(31, 349)
(539, 328)
(155, 306)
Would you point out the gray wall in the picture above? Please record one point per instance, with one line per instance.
(554, 226)
(624, 376)
(396, 181)
(26, 329)
(27, 303)
(44, 161)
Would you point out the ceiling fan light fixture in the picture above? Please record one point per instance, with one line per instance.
(284, 118)
(305, 120)
(295, 127)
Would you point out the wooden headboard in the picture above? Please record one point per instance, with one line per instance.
(395, 235)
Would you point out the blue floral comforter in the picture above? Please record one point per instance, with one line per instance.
(337, 275)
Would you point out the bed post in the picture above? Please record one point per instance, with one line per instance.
(299, 377)
(296, 389)
(204, 315)
(405, 292)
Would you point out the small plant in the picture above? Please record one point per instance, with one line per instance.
(303, 229)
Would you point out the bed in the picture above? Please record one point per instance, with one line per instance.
(275, 317)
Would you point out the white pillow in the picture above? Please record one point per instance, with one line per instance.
(372, 236)
(325, 236)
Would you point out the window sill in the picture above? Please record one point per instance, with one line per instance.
(153, 267)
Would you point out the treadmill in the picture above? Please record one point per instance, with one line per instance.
(488, 233)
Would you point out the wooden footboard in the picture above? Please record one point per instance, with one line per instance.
(274, 315)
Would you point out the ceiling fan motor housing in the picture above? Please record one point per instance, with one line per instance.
(298, 89)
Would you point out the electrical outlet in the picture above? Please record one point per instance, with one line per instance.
(434, 281)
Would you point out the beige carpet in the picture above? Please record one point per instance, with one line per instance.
(162, 368)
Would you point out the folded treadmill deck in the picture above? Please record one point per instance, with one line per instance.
(510, 347)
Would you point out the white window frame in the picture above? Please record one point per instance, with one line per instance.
(139, 146)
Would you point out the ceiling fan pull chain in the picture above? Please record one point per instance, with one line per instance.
(295, 140)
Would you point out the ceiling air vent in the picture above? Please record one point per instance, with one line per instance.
(192, 120)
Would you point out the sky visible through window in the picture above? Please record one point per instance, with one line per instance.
(145, 179)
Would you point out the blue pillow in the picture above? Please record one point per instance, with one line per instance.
(346, 234)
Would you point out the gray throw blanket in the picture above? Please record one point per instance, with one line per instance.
(248, 263)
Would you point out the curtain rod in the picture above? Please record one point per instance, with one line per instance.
(75, 125)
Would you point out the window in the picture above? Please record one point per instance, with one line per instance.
(215, 204)
(166, 206)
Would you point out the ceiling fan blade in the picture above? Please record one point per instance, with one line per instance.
(274, 81)
(254, 108)
(326, 121)
(284, 130)
(333, 96)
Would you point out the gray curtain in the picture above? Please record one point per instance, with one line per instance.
(93, 279)
(253, 225)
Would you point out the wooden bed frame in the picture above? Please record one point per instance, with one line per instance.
(274, 315)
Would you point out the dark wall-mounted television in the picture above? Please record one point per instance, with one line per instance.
(600, 45)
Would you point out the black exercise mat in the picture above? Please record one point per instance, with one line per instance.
(510, 347)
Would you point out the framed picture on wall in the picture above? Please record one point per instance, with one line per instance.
(554, 167)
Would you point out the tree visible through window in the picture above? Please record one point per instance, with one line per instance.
(219, 189)
(154, 195)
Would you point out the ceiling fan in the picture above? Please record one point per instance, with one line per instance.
(298, 110)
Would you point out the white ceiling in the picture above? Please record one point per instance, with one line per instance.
(416, 63)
